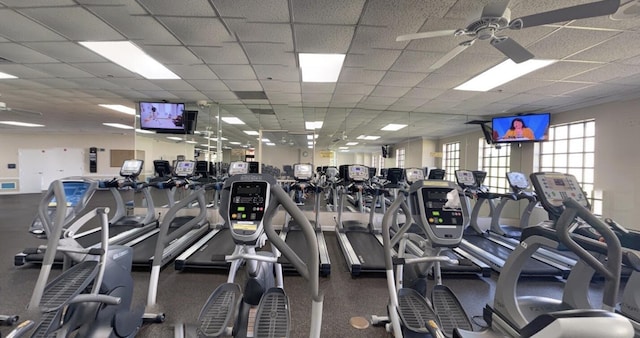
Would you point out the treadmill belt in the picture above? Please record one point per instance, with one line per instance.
(370, 252)
(446, 267)
(211, 255)
(531, 268)
(297, 242)
(143, 251)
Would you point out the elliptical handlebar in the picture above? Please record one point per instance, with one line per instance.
(611, 271)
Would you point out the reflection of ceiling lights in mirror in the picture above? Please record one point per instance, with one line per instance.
(191, 142)
(368, 138)
(309, 125)
(118, 125)
(251, 132)
(21, 124)
(131, 57)
(266, 140)
(144, 131)
(175, 138)
(120, 108)
(232, 120)
(271, 144)
(311, 137)
(352, 143)
(235, 143)
(342, 148)
(6, 76)
(393, 127)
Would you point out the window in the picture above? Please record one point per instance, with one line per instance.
(496, 162)
(400, 158)
(571, 150)
(381, 163)
(451, 160)
(375, 161)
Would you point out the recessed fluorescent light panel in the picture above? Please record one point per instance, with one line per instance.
(343, 148)
(251, 132)
(320, 67)
(313, 125)
(311, 137)
(503, 73)
(232, 120)
(271, 144)
(143, 131)
(352, 143)
(192, 142)
(131, 57)
(118, 125)
(22, 124)
(234, 143)
(120, 108)
(7, 76)
(393, 127)
(175, 138)
(368, 138)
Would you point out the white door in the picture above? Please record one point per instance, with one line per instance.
(61, 163)
(30, 168)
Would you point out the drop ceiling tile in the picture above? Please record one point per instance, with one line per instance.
(367, 38)
(234, 72)
(327, 11)
(277, 73)
(423, 93)
(468, 64)
(566, 42)
(603, 90)
(197, 31)
(136, 28)
(21, 54)
(407, 14)
(61, 70)
(67, 52)
(606, 73)
(257, 11)
(523, 98)
(226, 53)
(93, 83)
(19, 28)
(323, 38)
(346, 98)
(177, 8)
(270, 53)
(37, 3)
(622, 46)
(456, 95)
(174, 85)
(159, 94)
(316, 98)
(59, 83)
(441, 81)
(561, 70)
(172, 55)
(633, 80)
(189, 95)
(412, 61)
(103, 69)
(262, 32)
(520, 85)
(356, 89)
(281, 86)
(83, 27)
(389, 91)
(193, 72)
(360, 75)
(286, 98)
(375, 60)
(312, 87)
(243, 85)
(136, 84)
(437, 107)
(557, 88)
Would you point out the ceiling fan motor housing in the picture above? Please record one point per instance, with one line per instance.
(485, 27)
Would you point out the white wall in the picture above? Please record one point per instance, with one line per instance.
(162, 150)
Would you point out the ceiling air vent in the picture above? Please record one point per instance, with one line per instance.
(260, 111)
(251, 95)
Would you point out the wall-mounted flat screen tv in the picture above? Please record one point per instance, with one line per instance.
(162, 117)
(521, 128)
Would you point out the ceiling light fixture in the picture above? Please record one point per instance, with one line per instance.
(251, 132)
(22, 124)
(393, 127)
(271, 144)
(118, 125)
(232, 120)
(352, 143)
(236, 143)
(120, 108)
(6, 76)
(320, 67)
(191, 142)
(313, 125)
(131, 57)
(311, 137)
(368, 138)
(503, 73)
(144, 131)
(175, 138)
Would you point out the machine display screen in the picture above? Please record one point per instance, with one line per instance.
(358, 173)
(74, 192)
(465, 178)
(302, 171)
(556, 187)
(436, 213)
(131, 168)
(248, 204)
(518, 180)
(185, 168)
(238, 168)
(414, 175)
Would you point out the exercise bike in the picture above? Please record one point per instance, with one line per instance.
(92, 296)
(260, 309)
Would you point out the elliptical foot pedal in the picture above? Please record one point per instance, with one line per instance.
(273, 318)
(49, 322)
(218, 312)
(415, 313)
(449, 311)
(68, 285)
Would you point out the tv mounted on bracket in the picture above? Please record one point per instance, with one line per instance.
(489, 135)
(521, 128)
(163, 117)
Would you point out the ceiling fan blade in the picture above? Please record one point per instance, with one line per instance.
(511, 49)
(453, 53)
(589, 10)
(423, 35)
(495, 9)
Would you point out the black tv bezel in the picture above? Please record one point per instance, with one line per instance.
(507, 141)
(178, 130)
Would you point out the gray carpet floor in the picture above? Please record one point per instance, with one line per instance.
(181, 294)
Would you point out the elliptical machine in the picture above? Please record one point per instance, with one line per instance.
(92, 296)
(249, 203)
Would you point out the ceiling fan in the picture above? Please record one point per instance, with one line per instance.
(4, 108)
(496, 17)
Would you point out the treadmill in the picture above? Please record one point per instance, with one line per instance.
(209, 252)
(361, 244)
(476, 242)
(122, 227)
(182, 234)
(292, 233)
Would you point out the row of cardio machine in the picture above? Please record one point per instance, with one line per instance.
(434, 208)
(92, 297)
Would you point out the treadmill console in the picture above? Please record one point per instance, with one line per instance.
(131, 168)
(442, 223)
(358, 173)
(517, 180)
(553, 188)
(247, 204)
(185, 168)
(238, 168)
(302, 172)
(466, 179)
(414, 175)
